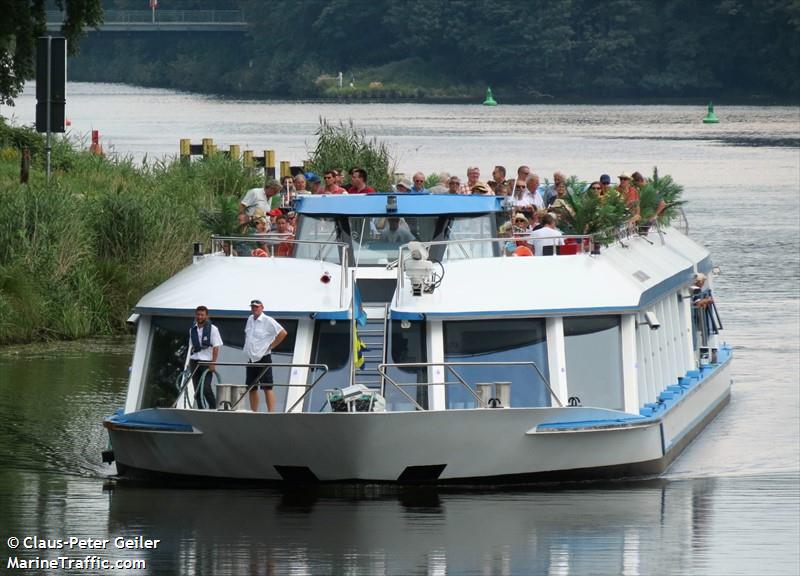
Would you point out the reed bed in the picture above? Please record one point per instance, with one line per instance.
(76, 255)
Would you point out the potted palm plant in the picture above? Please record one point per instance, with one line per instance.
(223, 218)
(591, 214)
(659, 201)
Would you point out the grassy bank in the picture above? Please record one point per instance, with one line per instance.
(77, 254)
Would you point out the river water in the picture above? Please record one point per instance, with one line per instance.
(729, 505)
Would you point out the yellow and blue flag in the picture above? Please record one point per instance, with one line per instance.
(358, 309)
(358, 350)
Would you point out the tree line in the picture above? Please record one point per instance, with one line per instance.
(584, 48)
(524, 49)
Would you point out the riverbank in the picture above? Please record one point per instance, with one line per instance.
(75, 255)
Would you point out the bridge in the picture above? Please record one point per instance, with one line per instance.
(161, 21)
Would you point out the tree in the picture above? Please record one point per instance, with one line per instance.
(22, 22)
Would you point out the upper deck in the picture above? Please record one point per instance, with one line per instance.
(341, 237)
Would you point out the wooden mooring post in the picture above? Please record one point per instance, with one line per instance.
(247, 157)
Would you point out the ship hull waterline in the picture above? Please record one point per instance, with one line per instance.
(477, 446)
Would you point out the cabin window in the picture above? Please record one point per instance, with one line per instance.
(322, 231)
(593, 349)
(463, 228)
(511, 340)
(169, 346)
(407, 346)
(331, 347)
(376, 240)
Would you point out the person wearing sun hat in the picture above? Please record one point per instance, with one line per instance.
(262, 334)
(481, 188)
(628, 192)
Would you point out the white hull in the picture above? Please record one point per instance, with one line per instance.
(477, 445)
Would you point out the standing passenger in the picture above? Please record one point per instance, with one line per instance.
(358, 182)
(265, 199)
(261, 334)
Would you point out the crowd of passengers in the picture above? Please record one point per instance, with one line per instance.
(535, 207)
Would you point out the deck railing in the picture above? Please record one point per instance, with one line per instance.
(188, 376)
(463, 249)
(284, 246)
(460, 381)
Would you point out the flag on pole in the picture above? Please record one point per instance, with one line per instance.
(358, 310)
(358, 350)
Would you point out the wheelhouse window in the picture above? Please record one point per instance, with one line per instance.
(168, 353)
(375, 240)
(594, 360)
(511, 340)
(321, 232)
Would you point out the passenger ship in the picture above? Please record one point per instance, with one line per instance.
(442, 360)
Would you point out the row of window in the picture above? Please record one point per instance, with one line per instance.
(592, 346)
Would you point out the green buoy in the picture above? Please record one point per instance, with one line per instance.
(710, 118)
(490, 101)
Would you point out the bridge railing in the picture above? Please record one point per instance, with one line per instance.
(163, 16)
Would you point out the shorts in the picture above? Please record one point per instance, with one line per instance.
(265, 383)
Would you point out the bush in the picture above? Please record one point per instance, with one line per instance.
(343, 147)
(76, 255)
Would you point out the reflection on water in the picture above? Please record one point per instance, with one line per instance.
(728, 505)
(711, 526)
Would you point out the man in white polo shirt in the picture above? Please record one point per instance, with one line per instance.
(261, 334)
(204, 343)
(546, 238)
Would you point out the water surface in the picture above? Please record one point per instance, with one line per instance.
(729, 505)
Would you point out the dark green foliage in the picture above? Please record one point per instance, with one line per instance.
(223, 219)
(13, 137)
(590, 214)
(657, 190)
(583, 49)
(76, 255)
(343, 147)
(22, 22)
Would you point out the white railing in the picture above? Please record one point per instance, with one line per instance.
(284, 246)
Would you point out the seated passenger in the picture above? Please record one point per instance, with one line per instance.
(403, 186)
(419, 184)
(546, 238)
(396, 234)
(261, 229)
(283, 249)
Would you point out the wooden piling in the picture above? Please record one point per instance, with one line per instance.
(269, 164)
(285, 169)
(25, 165)
(185, 150)
(208, 147)
(247, 158)
(233, 151)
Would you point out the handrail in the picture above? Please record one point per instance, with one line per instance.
(581, 238)
(449, 366)
(256, 382)
(218, 246)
